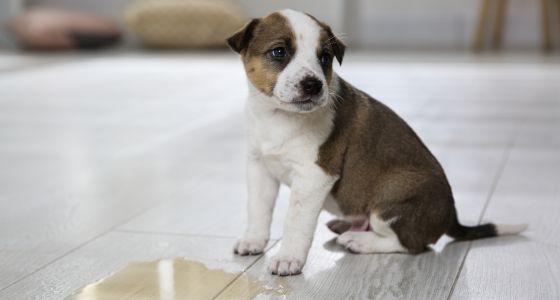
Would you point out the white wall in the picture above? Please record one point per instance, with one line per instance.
(439, 23)
(331, 11)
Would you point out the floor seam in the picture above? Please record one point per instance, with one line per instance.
(493, 187)
(177, 234)
(43, 64)
(87, 242)
(245, 271)
(112, 228)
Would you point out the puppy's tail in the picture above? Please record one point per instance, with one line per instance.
(461, 232)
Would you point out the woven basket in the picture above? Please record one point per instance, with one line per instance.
(183, 23)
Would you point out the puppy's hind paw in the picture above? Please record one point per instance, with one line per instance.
(249, 246)
(355, 242)
(339, 226)
(285, 266)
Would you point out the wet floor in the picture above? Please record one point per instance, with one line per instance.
(178, 278)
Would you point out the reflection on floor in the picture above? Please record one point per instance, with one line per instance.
(174, 279)
(108, 159)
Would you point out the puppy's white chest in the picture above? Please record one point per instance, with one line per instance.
(277, 151)
(287, 144)
(279, 168)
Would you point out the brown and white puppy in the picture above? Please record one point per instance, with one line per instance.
(332, 143)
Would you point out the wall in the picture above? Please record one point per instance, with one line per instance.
(439, 23)
(331, 11)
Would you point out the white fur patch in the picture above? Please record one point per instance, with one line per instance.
(381, 238)
(305, 62)
(283, 147)
(507, 229)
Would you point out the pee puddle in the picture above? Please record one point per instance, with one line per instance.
(168, 279)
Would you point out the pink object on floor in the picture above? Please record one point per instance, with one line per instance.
(44, 28)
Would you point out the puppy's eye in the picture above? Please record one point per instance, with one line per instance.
(325, 59)
(278, 52)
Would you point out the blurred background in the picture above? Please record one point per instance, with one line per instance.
(122, 139)
(388, 25)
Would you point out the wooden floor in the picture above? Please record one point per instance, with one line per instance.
(112, 158)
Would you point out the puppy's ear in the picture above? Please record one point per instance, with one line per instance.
(337, 45)
(240, 40)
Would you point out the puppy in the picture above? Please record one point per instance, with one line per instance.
(333, 145)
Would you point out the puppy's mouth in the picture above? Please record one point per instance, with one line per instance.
(304, 100)
(304, 103)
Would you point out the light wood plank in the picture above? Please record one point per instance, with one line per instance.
(526, 266)
(209, 210)
(11, 61)
(543, 133)
(120, 137)
(95, 200)
(115, 250)
(76, 164)
(332, 274)
(470, 172)
(466, 132)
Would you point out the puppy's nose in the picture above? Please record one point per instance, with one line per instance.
(311, 86)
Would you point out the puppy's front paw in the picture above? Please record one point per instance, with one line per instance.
(249, 246)
(285, 266)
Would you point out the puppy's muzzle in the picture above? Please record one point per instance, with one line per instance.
(310, 86)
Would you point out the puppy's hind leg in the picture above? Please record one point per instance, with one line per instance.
(379, 239)
(340, 226)
(363, 242)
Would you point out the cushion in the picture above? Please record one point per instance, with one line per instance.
(183, 23)
(43, 28)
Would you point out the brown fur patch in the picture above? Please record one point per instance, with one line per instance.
(255, 41)
(384, 167)
(270, 32)
(326, 48)
(329, 41)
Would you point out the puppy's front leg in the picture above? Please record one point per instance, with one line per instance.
(309, 190)
(262, 190)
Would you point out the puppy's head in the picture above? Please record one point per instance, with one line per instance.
(288, 57)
